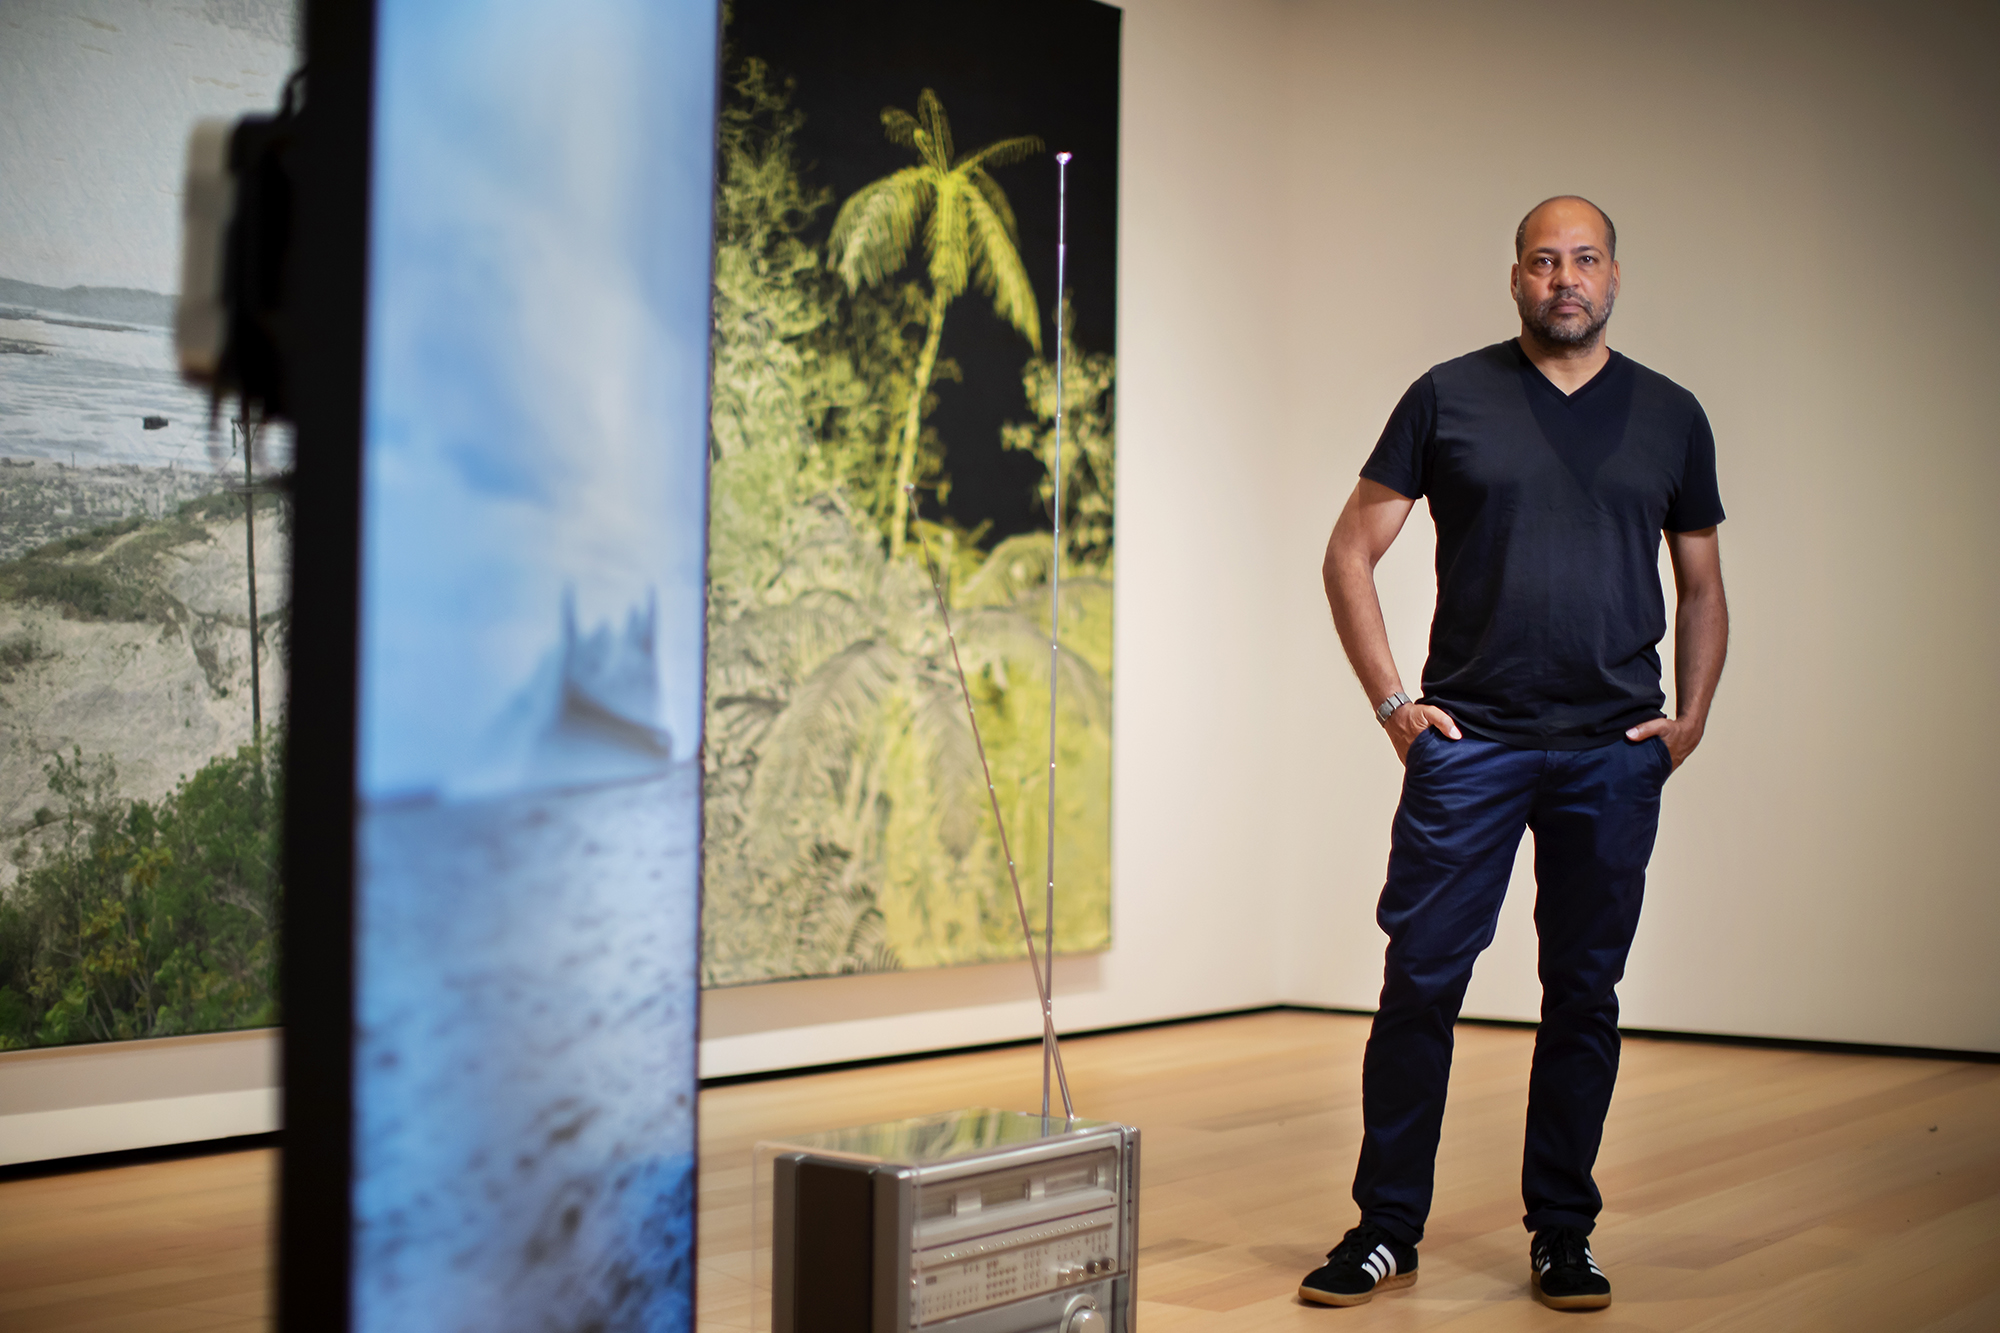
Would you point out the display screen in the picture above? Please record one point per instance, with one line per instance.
(534, 511)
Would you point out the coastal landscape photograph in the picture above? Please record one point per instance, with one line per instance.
(144, 547)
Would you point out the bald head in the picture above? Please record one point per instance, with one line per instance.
(1566, 203)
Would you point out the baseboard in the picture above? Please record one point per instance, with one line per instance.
(111, 1161)
(1713, 1038)
(1080, 1034)
(78, 1131)
(1640, 1034)
(71, 1101)
(106, 1112)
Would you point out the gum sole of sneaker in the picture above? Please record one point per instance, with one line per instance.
(1567, 1302)
(1318, 1297)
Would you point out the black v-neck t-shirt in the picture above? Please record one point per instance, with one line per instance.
(1549, 510)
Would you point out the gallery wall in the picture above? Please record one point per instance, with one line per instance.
(1318, 202)
(1806, 198)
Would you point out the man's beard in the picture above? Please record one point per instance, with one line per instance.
(1575, 331)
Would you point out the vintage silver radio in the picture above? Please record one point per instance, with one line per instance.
(974, 1221)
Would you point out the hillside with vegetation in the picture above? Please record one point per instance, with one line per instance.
(138, 806)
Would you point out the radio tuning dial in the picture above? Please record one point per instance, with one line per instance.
(1083, 1316)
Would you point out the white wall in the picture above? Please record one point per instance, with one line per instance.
(1318, 204)
(1807, 205)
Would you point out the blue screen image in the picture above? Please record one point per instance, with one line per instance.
(534, 518)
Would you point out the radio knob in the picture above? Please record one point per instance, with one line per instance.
(1083, 1316)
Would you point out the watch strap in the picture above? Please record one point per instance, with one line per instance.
(1387, 708)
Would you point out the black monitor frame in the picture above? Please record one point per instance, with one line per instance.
(326, 334)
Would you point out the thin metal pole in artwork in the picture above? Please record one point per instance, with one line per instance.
(246, 429)
(1050, 1051)
(1055, 614)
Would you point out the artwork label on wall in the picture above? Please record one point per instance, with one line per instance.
(885, 310)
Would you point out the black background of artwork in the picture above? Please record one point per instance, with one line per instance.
(1041, 67)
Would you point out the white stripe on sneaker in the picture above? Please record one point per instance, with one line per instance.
(1388, 1257)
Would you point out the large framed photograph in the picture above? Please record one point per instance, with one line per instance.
(886, 313)
(145, 547)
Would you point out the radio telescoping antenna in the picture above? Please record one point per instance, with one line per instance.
(1043, 967)
(1050, 1052)
(1055, 624)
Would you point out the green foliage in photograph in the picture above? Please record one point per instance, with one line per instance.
(969, 235)
(144, 919)
(19, 650)
(847, 821)
(1088, 482)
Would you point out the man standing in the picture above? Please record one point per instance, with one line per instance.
(1552, 465)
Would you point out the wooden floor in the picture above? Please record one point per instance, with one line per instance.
(1747, 1189)
(159, 1248)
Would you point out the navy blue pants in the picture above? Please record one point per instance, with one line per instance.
(1465, 803)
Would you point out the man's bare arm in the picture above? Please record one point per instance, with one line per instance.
(1701, 641)
(1367, 527)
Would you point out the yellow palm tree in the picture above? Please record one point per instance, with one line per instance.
(969, 236)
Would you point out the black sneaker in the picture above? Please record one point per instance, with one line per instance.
(1367, 1260)
(1564, 1273)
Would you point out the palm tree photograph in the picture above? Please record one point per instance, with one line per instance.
(883, 414)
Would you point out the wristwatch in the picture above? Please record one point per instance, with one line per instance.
(1387, 708)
